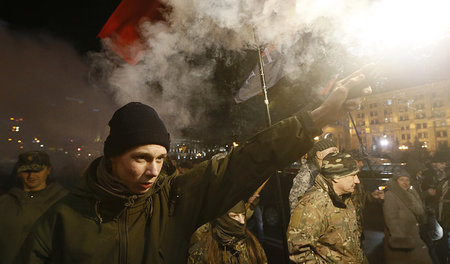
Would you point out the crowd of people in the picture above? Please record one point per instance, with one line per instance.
(134, 205)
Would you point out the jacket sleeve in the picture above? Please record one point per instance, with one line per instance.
(305, 227)
(391, 209)
(37, 247)
(210, 189)
(300, 184)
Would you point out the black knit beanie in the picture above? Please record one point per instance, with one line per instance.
(320, 146)
(132, 125)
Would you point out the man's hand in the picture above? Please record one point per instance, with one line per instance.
(338, 101)
(253, 198)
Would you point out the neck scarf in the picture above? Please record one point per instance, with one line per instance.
(108, 181)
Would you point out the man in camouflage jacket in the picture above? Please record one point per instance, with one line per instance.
(323, 227)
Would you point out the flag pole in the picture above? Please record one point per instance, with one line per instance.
(263, 81)
(363, 148)
(278, 184)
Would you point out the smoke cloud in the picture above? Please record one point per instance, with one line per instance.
(182, 61)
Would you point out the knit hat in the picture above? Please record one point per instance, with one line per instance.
(398, 172)
(320, 146)
(338, 165)
(132, 125)
(32, 161)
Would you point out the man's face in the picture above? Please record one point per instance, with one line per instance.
(35, 180)
(439, 165)
(139, 167)
(239, 217)
(345, 184)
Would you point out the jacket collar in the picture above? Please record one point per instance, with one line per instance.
(110, 204)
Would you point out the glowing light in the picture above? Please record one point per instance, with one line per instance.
(21, 147)
(11, 118)
(235, 144)
(403, 147)
(15, 128)
(384, 142)
(382, 187)
(316, 138)
(78, 149)
(41, 146)
(19, 141)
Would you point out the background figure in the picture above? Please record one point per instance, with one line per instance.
(437, 201)
(24, 203)
(184, 165)
(309, 170)
(227, 240)
(403, 213)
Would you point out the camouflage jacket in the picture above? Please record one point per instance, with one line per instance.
(322, 230)
(302, 182)
(235, 254)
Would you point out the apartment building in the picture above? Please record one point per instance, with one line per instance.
(398, 119)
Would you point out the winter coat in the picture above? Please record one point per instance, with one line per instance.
(92, 225)
(302, 182)
(323, 228)
(403, 210)
(235, 253)
(19, 211)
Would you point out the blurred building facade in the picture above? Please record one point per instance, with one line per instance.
(402, 118)
(398, 120)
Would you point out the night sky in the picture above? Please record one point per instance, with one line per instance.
(44, 74)
(77, 22)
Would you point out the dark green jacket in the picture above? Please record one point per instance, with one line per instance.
(92, 225)
(19, 210)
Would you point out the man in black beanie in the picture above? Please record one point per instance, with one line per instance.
(127, 209)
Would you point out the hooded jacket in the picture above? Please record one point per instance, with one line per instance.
(19, 211)
(323, 227)
(93, 225)
(230, 239)
(403, 213)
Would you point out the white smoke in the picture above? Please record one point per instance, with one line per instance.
(182, 58)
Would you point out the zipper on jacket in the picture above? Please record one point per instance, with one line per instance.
(123, 230)
(123, 237)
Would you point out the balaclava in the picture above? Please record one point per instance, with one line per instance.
(228, 231)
